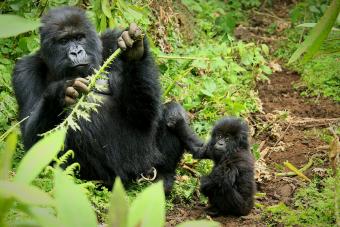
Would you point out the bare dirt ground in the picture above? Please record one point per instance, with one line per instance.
(288, 129)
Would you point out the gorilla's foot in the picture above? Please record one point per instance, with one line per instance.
(212, 211)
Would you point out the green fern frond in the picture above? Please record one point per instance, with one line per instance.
(63, 159)
(71, 169)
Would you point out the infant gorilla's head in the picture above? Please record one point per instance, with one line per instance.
(229, 135)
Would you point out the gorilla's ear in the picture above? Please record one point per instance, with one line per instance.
(243, 141)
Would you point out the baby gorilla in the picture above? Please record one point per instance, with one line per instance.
(230, 186)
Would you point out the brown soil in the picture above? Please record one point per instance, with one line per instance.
(279, 95)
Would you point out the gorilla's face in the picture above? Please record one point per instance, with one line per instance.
(228, 136)
(69, 44)
(221, 145)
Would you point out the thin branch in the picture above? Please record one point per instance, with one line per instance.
(294, 169)
(3, 136)
(282, 135)
(175, 80)
(183, 57)
(303, 169)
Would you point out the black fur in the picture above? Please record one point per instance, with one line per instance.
(230, 186)
(128, 136)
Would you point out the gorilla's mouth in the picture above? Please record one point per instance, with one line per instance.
(80, 65)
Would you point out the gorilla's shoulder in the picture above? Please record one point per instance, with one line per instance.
(29, 63)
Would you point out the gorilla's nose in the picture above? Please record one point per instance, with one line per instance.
(77, 55)
(77, 52)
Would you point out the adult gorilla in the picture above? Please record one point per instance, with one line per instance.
(129, 134)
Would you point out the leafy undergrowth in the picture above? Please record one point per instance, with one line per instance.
(313, 205)
(321, 74)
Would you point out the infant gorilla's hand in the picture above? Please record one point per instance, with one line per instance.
(73, 88)
(131, 42)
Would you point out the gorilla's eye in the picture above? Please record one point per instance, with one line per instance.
(80, 37)
(63, 41)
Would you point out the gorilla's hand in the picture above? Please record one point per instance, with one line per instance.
(131, 42)
(73, 88)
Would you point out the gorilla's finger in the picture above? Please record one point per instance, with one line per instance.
(135, 32)
(69, 100)
(83, 80)
(81, 87)
(71, 92)
(132, 29)
(127, 39)
(138, 34)
(121, 43)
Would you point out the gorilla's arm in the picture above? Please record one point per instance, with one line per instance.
(134, 83)
(42, 104)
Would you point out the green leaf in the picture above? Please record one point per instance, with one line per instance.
(39, 156)
(209, 88)
(266, 69)
(318, 34)
(106, 8)
(102, 25)
(119, 207)
(24, 193)
(200, 223)
(265, 49)
(43, 216)
(148, 209)
(72, 206)
(6, 156)
(12, 25)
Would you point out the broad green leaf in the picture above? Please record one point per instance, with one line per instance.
(102, 25)
(200, 64)
(233, 66)
(106, 8)
(318, 34)
(266, 69)
(72, 206)
(201, 223)
(119, 207)
(7, 154)
(39, 156)
(148, 209)
(43, 216)
(24, 193)
(209, 88)
(12, 25)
